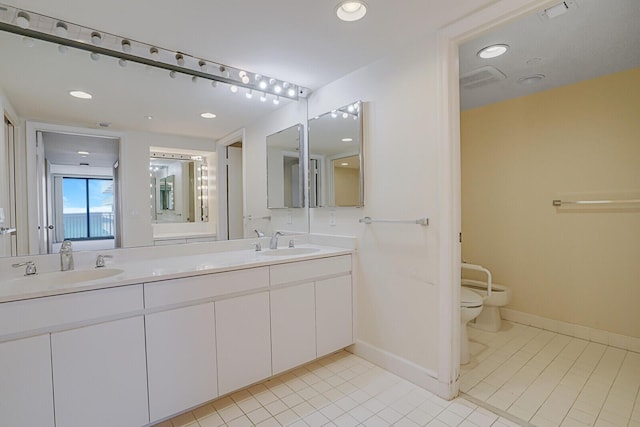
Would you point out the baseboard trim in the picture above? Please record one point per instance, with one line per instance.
(578, 331)
(410, 371)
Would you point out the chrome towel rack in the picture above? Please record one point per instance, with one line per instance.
(7, 230)
(419, 221)
(251, 218)
(594, 202)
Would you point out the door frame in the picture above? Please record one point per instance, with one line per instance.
(448, 136)
(221, 146)
(32, 128)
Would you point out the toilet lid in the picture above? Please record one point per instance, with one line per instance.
(468, 298)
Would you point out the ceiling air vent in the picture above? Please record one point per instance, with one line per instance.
(558, 10)
(481, 77)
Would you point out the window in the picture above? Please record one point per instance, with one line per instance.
(87, 208)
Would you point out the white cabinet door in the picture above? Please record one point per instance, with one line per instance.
(26, 392)
(293, 326)
(334, 314)
(181, 359)
(99, 375)
(243, 341)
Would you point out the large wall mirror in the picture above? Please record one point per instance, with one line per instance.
(335, 158)
(285, 168)
(138, 108)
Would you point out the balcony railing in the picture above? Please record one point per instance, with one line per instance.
(101, 225)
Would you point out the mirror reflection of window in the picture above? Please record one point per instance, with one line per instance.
(86, 208)
(335, 162)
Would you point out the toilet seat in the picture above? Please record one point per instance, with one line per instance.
(470, 299)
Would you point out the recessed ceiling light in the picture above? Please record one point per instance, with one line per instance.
(80, 94)
(493, 51)
(344, 164)
(347, 139)
(208, 116)
(531, 79)
(148, 117)
(351, 10)
(83, 153)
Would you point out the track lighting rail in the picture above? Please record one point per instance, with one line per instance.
(32, 25)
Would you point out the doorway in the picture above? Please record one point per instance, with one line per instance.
(549, 365)
(8, 238)
(83, 211)
(235, 222)
(76, 190)
(231, 191)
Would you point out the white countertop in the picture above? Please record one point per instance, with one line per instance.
(151, 270)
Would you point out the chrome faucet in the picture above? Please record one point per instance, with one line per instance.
(273, 244)
(100, 260)
(66, 256)
(30, 270)
(259, 232)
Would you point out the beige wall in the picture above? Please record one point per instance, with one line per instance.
(576, 266)
(346, 182)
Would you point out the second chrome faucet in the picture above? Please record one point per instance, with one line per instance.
(66, 256)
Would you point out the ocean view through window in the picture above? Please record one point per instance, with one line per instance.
(87, 208)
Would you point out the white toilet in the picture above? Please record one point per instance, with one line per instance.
(470, 308)
(489, 319)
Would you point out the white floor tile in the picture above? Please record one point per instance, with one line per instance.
(538, 376)
(553, 379)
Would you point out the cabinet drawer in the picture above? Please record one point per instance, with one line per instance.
(195, 288)
(22, 316)
(309, 270)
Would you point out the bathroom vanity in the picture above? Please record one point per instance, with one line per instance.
(164, 335)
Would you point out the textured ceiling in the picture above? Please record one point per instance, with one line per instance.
(592, 39)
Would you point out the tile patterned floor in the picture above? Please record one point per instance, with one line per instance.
(340, 390)
(549, 379)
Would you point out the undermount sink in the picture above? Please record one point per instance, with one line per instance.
(289, 251)
(66, 277)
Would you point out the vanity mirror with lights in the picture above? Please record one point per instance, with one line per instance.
(285, 168)
(335, 158)
(148, 99)
(178, 187)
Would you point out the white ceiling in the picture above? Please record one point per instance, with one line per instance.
(301, 41)
(594, 38)
(294, 40)
(62, 149)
